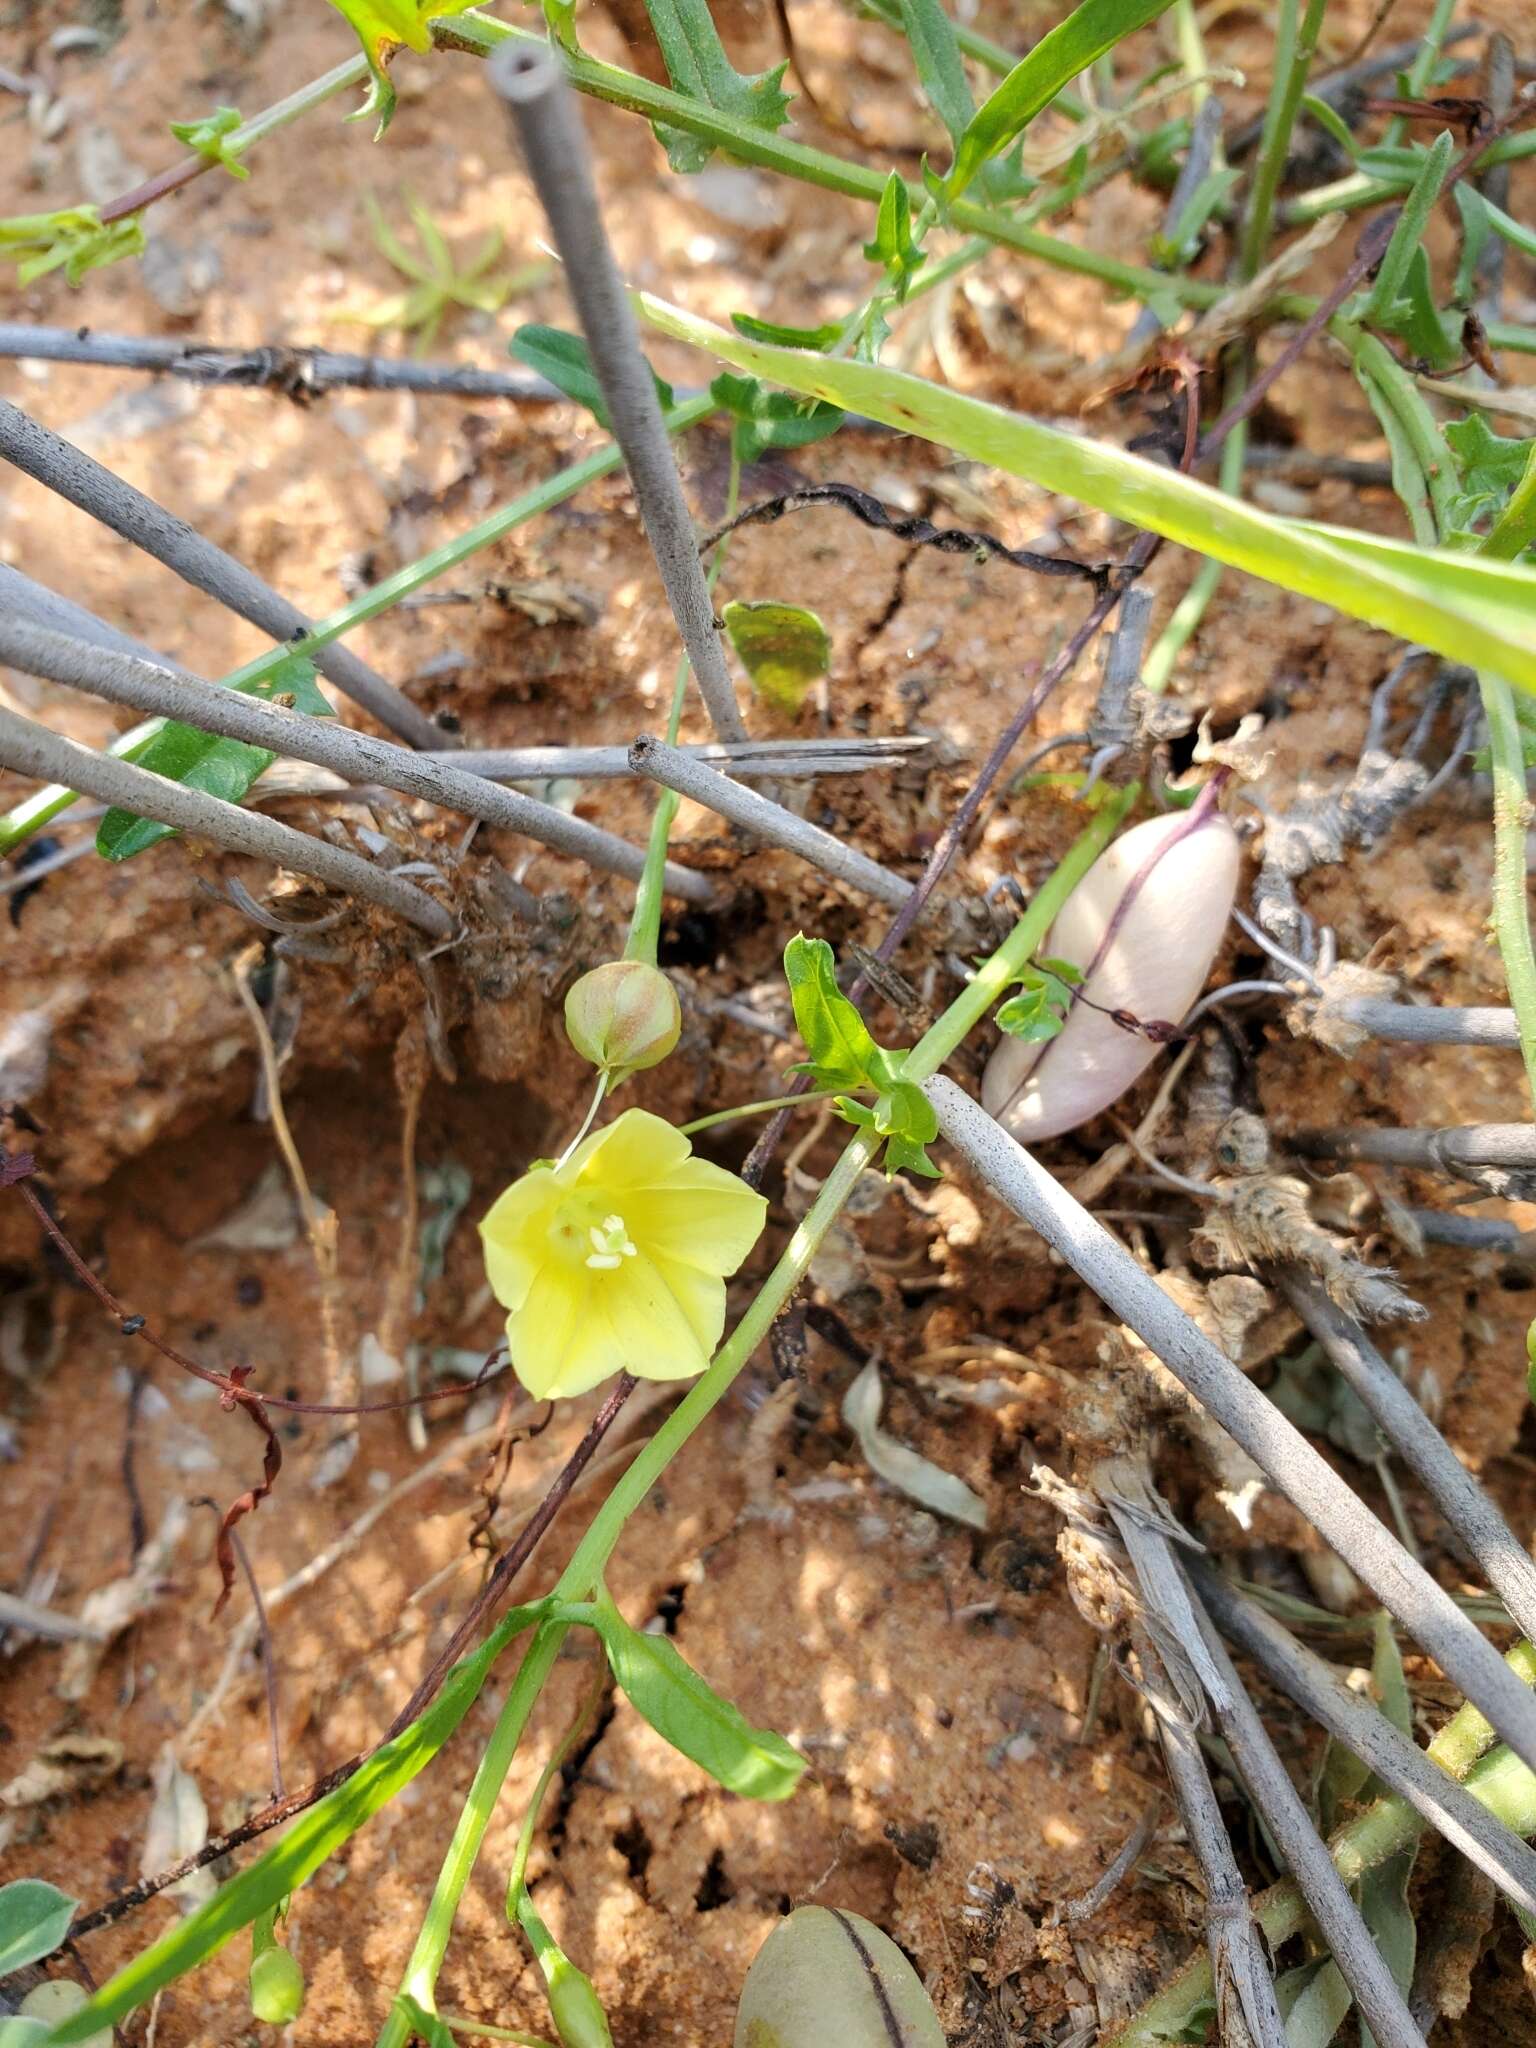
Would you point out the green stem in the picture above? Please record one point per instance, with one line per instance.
(645, 919)
(483, 2029)
(727, 1116)
(35, 811)
(1422, 70)
(580, 1578)
(557, 1757)
(1501, 1783)
(1293, 59)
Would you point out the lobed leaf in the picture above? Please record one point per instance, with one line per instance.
(699, 69)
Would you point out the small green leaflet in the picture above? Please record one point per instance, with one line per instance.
(783, 648)
(72, 240)
(690, 1714)
(209, 139)
(563, 359)
(34, 1919)
(1040, 1012)
(893, 246)
(1087, 33)
(764, 419)
(201, 760)
(699, 69)
(844, 1057)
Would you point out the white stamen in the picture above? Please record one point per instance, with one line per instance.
(610, 1245)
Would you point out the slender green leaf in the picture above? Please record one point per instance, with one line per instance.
(1329, 119)
(563, 359)
(936, 51)
(1408, 235)
(838, 1040)
(1465, 607)
(1385, 1911)
(893, 246)
(311, 1838)
(1388, 1677)
(1476, 227)
(691, 1715)
(34, 1919)
(783, 648)
(1088, 32)
(1315, 2008)
(201, 760)
(434, 2031)
(764, 419)
(1514, 232)
(700, 70)
(817, 338)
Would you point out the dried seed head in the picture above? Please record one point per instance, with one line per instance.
(623, 1016)
(1143, 926)
(825, 1976)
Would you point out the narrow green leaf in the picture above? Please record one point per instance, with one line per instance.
(783, 648)
(1476, 227)
(311, 1838)
(700, 70)
(563, 359)
(1385, 1911)
(893, 246)
(1513, 231)
(691, 1715)
(201, 760)
(209, 138)
(936, 51)
(434, 2031)
(842, 1051)
(1464, 606)
(766, 419)
(1314, 2000)
(34, 1919)
(1088, 32)
(817, 338)
(1408, 235)
(1388, 1677)
(1328, 119)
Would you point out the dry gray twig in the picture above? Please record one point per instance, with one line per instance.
(1402, 1585)
(33, 750)
(72, 474)
(123, 679)
(1362, 1727)
(1472, 1514)
(674, 769)
(554, 145)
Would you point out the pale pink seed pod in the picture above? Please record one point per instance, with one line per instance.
(1143, 925)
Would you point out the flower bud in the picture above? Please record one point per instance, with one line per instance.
(575, 2007)
(277, 1987)
(623, 1016)
(825, 1976)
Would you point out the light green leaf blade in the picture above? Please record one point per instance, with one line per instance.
(700, 69)
(34, 1919)
(1087, 33)
(688, 1712)
(836, 1036)
(936, 52)
(783, 647)
(1471, 610)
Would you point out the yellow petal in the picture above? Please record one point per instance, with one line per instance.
(666, 1320)
(514, 1231)
(702, 1217)
(635, 1151)
(559, 1341)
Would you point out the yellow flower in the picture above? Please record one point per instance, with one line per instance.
(616, 1260)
